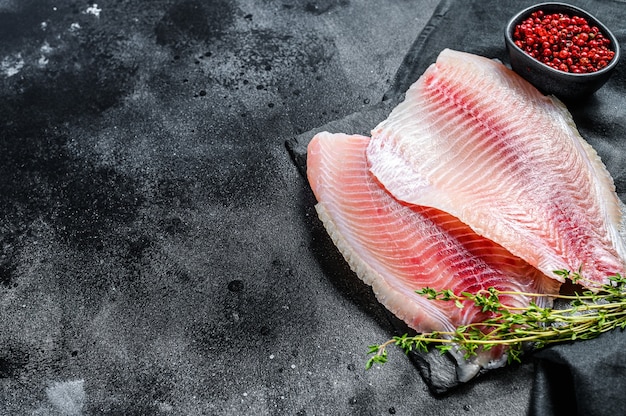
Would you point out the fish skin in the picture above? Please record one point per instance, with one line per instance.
(398, 248)
(474, 139)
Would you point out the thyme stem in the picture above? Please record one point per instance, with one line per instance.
(589, 314)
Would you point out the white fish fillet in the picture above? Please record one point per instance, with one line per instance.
(398, 248)
(474, 139)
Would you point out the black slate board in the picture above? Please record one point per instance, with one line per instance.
(579, 378)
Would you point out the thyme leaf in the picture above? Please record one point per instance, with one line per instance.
(587, 315)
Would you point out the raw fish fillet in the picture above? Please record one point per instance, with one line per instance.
(474, 139)
(399, 248)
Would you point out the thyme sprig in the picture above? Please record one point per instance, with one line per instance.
(586, 315)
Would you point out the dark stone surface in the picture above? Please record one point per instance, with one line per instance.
(159, 251)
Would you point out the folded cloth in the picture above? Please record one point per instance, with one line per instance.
(581, 378)
(584, 377)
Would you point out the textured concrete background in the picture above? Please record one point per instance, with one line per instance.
(159, 252)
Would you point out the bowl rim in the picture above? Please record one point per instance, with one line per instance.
(521, 15)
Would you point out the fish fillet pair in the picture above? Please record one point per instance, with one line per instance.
(475, 180)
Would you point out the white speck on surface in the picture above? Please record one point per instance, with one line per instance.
(74, 27)
(293, 366)
(68, 397)
(11, 65)
(43, 25)
(245, 395)
(271, 356)
(93, 9)
(45, 48)
(164, 407)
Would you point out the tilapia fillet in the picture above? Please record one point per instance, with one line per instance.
(474, 139)
(398, 248)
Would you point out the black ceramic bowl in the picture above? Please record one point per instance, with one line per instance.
(565, 85)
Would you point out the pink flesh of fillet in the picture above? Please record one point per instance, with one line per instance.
(398, 248)
(474, 139)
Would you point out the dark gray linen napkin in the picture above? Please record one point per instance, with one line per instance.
(585, 377)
